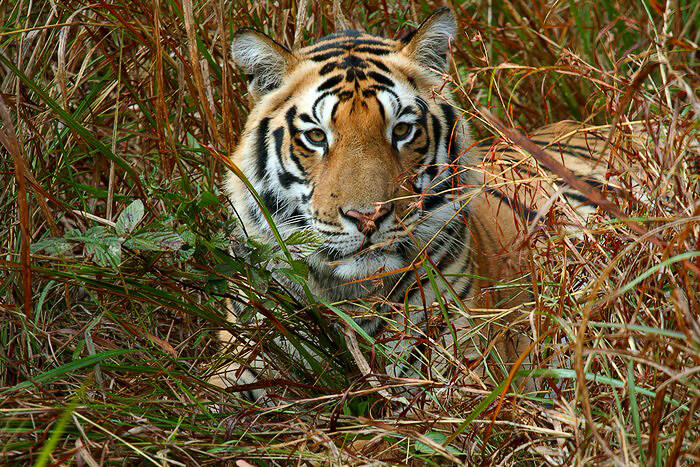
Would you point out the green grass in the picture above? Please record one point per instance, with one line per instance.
(115, 268)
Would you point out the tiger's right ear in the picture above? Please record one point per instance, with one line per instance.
(264, 61)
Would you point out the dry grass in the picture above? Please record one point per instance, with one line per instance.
(106, 336)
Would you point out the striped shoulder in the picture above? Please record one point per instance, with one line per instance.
(590, 153)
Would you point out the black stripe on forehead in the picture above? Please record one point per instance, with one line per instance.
(327, 68)
(329, 83)
(322, 56)
(328, 55)
(381, 79)
(379, 65)
(349, 44)
(374, 50)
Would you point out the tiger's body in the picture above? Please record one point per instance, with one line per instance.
(351, 139)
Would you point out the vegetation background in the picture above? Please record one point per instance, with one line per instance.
(114, 234)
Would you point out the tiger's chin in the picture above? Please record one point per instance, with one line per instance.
(365, 265)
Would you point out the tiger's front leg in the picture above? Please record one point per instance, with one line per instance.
(235, 374)
(249, 366)
(261, 365)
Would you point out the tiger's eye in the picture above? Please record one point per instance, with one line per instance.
(316, 136)
(401, 130)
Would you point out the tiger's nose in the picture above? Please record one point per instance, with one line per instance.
(366, 223)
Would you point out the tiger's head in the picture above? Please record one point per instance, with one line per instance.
(351, 138)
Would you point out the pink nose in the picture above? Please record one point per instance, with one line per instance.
(366, 223)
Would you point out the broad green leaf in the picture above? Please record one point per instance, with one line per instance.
(104, 247)
(440, 439)
(207, 199)
(52, 246)
(130, 217)
(302, 244)
(155, 241)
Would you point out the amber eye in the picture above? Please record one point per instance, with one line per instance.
(401, 130)
(316, 136)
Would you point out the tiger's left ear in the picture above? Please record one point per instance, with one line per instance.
(429, 44)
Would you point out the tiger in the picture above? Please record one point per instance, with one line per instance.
(356, 140)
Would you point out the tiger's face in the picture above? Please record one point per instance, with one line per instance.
(350, 138)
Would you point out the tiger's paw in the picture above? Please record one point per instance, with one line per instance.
(242, 382)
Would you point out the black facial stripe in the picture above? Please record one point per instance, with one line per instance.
(289, 116)
(373, 50)
(314, 106)
(332, 224)
(327, 68)
(333, 110)
(451, 121)
(293, 156)
(261, 148)
(437, 134)
(379, 65)
(420, 102)
(329, 83)
(576, 197)
(330, 232)
(325, 56)
(286, 179)
(255, 213)
(397, 101)
(583, 151)
(381, 109)
(346, 45)
(381, 79)
(293, 131)
(412, 82)
(352, 61)
(432, 200)
(408, 110)
(423, 150)
(299, 219)
(304, 117)
(345, 95)
(431, 170)
(355, 75)
(270, 201)
(278, 135)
